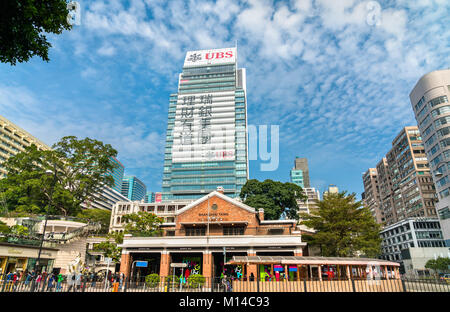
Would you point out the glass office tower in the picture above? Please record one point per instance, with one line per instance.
(133, 188)
(117, 174)
(206, 143)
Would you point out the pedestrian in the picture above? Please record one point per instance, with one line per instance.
(91, 278)
(121, 279)
(51, 279)
(78, 281)
(252, 277)
(27, 278)
(9, 276)
(71, 281)
(59, 280)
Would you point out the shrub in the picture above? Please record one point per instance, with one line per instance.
(152, 280)
(196, 280)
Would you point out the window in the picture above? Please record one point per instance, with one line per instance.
(440, 111)
(195, 231)
(233, 230)
(420, 103)
(438, 100)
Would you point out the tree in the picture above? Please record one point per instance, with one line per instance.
(81, 168)
(142, 224)
(23, 27)
(20, 230)
(438, 264)
(344, 228)
(97, 215)
(4, 228)
(110, 248)
(276, 198)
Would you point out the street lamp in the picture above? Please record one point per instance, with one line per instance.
(48, 173)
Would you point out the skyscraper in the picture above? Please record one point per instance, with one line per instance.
(371, 193)
(117, 174)
(150, 197)
(206, 142)
(300, 172)
(429, 99)
(401, 186)
(133, 188)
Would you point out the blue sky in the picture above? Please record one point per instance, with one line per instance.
(337, 84)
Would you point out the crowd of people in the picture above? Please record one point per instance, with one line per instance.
(52, 281)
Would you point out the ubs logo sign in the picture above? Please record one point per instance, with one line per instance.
(219, 55)
(210, 56)
(194, 57)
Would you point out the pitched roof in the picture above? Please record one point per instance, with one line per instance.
(221, 196)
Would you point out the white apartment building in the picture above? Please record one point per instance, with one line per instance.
(429, 99)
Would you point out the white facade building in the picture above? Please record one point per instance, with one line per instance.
(429, 99)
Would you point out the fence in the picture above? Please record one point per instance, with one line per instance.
(170, 284)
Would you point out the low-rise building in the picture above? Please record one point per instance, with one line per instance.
(205, 234)
(415, 259)
(410, 233)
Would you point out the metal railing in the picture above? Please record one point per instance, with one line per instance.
(51, 239)
(171, 284)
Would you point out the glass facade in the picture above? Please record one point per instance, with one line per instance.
(297, 177)
(117, 174)
(133, 188)
(206, 141)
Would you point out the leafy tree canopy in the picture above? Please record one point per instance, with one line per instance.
(438, 264)
(96, 215)
(343, 227)
(276, 198)
(23, 27)
(4, 228)
(79, 170)
(142, 224)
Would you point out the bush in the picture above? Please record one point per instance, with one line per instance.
(152, 280)
(196, 280)
(172, 281)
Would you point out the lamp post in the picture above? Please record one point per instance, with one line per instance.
(48, 173)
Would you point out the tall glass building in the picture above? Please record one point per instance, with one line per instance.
(206, 142)
(117, 174)
(133, 188)
(300, 173)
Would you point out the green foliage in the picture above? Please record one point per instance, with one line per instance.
(96, 215)
(116, 236)
(24, 24)
(110, 250)
(20, 230)
(5, 229)
(343, 227)
(438, 264)
(195, 281)
(172, 281)
(275, 197)
(143, 224)
(81, 168)
(152, 280)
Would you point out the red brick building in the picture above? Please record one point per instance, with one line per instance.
(206, 232)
